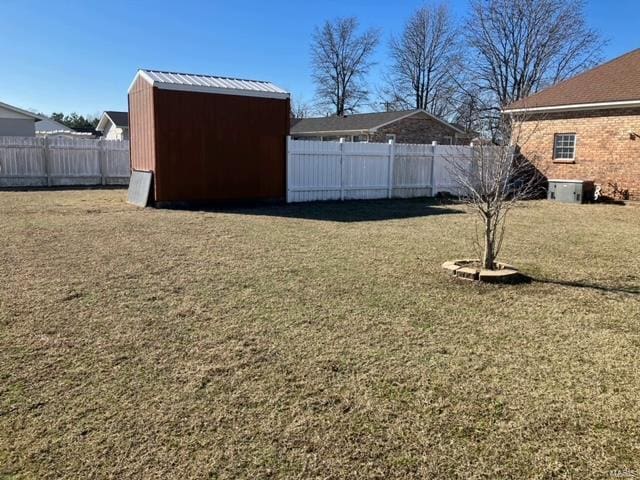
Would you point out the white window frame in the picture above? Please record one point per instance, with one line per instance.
(573, 153)
(364, 138)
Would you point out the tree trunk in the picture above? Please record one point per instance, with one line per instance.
(488, 257)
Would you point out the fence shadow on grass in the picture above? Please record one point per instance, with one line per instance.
(63, 188)
(351, 211)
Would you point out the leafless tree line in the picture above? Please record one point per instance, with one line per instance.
(464, 71)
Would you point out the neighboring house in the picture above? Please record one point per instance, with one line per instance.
(409, 126)
(47, 127)
(587, 127)
(15, 122)
(114, 125)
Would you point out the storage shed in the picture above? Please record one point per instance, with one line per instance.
(208, 139)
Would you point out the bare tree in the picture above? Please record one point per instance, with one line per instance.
(522, 46)
(341, 58)
(300, 108)
(469, 107)
(492, 182)
(475, 111)
(425, 59)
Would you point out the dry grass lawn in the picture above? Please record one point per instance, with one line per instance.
(313, 341)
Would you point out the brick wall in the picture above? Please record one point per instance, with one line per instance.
(605, 151)
(419, 128)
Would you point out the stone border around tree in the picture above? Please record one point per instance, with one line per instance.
(468, 269)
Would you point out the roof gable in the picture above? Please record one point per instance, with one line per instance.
(9, 111)
(358, 122)
(210, 84)
(614, 83)
(118, 119)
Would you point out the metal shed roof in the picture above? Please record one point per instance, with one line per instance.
(210, 84)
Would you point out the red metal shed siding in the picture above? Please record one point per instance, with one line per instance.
(141, 126)
(219, 147)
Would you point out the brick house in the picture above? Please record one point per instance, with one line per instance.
(409, 126)
(587, 127)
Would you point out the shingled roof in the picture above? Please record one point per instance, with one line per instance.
(616, 82)
(119, 119)
(358, 122)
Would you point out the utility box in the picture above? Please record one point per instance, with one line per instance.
(570, 191)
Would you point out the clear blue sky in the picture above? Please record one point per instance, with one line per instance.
(79, 55)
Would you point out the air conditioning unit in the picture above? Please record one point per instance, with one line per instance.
(570, 191)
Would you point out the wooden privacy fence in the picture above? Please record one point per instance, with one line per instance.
(347, 171)
(62, 161)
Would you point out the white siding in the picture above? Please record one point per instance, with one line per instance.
(17, 127)
(111, 132)
(8, 113)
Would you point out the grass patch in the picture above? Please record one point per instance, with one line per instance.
(313, 341)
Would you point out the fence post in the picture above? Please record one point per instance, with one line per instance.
(392, 155)
(288, 167)
(102, 162)
(434, 146)
(47, 159)
(341, 168)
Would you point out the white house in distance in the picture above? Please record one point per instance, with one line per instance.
(114, 125)
(48, 127)
(15, 122)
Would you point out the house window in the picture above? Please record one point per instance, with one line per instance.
(564, 147)
(360, 138)
(447, 140)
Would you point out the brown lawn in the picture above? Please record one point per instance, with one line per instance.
(313, 341)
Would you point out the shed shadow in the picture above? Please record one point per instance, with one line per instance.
(349, 211)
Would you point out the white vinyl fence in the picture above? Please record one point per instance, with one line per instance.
(345, 171)
(62, 161)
